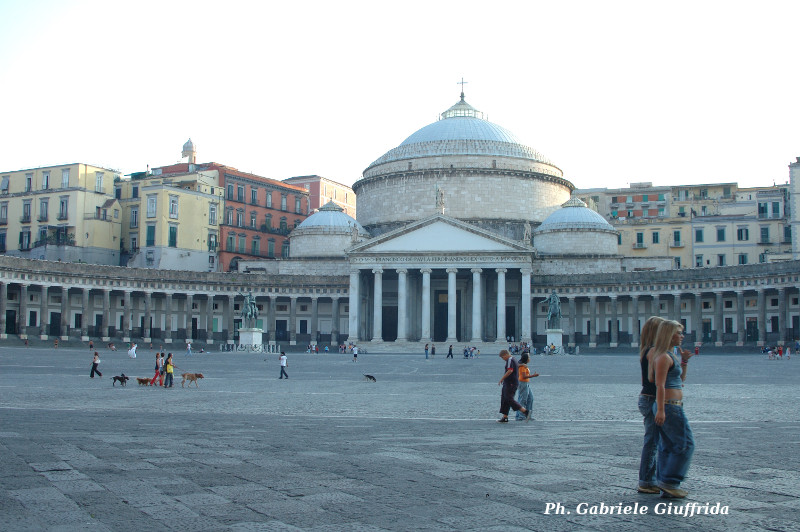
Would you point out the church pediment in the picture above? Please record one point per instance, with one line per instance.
(439, 234)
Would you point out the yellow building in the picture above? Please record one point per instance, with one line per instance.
(171, 221)
(62, 213)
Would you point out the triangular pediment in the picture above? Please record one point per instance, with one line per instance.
(439, 234)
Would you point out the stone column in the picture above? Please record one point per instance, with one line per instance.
(44, 315)
(477, 306)
(635, 321)
(22, 319)
(127, 315)
(147, 331)
(592, 321)
(209, 319)
(451, 305)
(782, 316)
(501, 304)
(85, 316)
(229, 304)
(655, 306)
(314, 318)
(762, 317)
(718, 319)
(3, 299)
(426, 305)
(335, 320)
(188, 316)
(377, 308)
(676, 306)
(353, 317)
(106, 314)
(740, 323)
(271, 316)
(614, 333)
(168, 318)
(526, 305)
(64, 313)
(573, 320)
(402, 311)
(697, 319)
(292, 320)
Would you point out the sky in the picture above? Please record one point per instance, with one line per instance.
(611, 92)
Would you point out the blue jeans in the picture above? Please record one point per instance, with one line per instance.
(647, 465)
(675, 448)
(525, 398)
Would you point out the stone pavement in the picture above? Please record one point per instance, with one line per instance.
(417, 450)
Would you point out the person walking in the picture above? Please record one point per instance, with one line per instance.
(95, 363)
(284, 365)
(433, 350)
(355, 353)
(188, 348)
(450, 352)
(525, 393)
(676, 442)
(169, 371)
(159, 365)
(510, 381)
(426, 351)
(647, 398)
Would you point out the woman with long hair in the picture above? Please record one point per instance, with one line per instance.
(647, 398)
(524, 392)
(676, 443)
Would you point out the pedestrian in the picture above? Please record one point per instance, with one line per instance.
(284, 365)
(91, 345)
(55, 343)
(696, 350)
(188, 348)
(426, 351)
(159, 364)
(450, 352)
(510, 381)
(525, 393)
(647, 398)
(433, 350)
(132, 351)
(169, 371)
(355, 353)
(95, 363)
(326, 350)
(676, 443)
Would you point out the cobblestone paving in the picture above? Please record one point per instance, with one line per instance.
(417, 450)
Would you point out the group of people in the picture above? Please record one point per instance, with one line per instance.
(164, 370)
(668, 441)
(471, 352)
(777, 352)
(516, 392)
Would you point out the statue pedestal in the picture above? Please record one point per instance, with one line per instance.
(554, 337)
(250, 336)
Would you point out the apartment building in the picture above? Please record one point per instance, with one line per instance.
(322, 190)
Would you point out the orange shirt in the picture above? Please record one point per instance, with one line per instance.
(524, 373)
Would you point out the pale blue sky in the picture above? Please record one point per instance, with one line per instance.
(611, 92)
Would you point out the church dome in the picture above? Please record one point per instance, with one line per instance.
(332, 217)
(574, 214)
(326, 233)
(188, 146)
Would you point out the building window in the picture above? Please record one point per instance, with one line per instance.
(2, 241)
(619, 239)
(229, 216)
(271, 248)
(676, 237)
(776, 209)
(269, 199)
(241, 243)
(134, 241)
(763, 210)
(720, 234)
(283, 202)
(151, 206)
(296, 222)
(135, 191)
(678, 263)
(43, 204)
(212, 214)
(297, 205)
(28, 182)
(655, 237)
(240, 193)
(253, 217)
(268, 221)
(26, 212)
(742, 234)
(698, 261)
(765, 235)
(151, 236)
(720, 260)
(4, 213)
(63, 208)
(229, 192)
(98, 181)
(698, 235)
(45, 180)
(212, 242)
(229, 244)
(173, 236)
(65, 178)
(173, 206)
(254, 196)
(283, 225)
(787, 234)
(285, 249)
(742, 258)
(134, 217)
(255, 247)
(25, 240)
(239, 218)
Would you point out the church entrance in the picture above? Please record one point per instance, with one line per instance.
(389, 324)
(511, 323)
(440, 315)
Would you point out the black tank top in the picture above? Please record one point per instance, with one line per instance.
(648, 388)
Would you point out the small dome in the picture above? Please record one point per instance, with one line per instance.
(574, 214)
(189, 146)
(333, 217)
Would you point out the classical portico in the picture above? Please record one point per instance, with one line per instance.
(440, 280)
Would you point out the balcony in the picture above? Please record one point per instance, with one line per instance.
(676, 244)
(3, 221)
(765, 242)
(639, 245)
(25, 219)
(42, 218)
(62, 216)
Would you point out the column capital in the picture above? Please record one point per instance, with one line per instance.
(526, 271)
(613, 297)
(356, 271)
(476, 270)
(501, 270)
(426, 270)
(377, 271)
(452, 270)
(401, 271)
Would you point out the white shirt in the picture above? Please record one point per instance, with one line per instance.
(283, 361)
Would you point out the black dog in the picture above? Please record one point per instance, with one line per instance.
(369, 378)
(121, 378)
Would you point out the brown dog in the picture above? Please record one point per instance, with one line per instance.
(143, 381)
(192, 378)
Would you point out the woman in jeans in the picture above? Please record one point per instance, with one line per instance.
(676, 444)
(647, 464)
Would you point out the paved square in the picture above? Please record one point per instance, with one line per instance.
(417, 450)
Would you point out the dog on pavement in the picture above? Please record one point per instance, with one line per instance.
(369, 378)
(191, 378)
(122, 379)
(143, 381)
